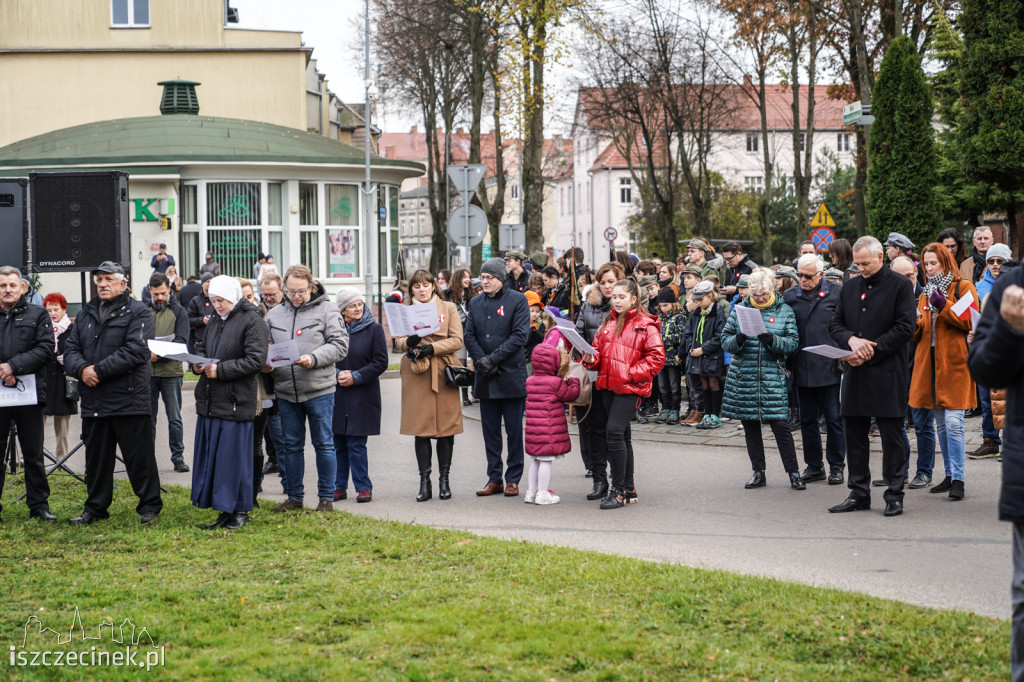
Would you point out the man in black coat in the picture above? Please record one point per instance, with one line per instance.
(997, 361)
(875, 318)
(516, 277)
(26, 347)
(738, 264)
(816, 377)
(199, 312)
(496, 332)
(108, 353)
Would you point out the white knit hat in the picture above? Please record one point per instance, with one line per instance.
(346, 296)
(227, 288)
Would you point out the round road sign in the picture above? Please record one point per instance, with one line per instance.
(822, 237)
(610, 233)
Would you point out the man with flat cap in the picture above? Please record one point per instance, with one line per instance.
(108, 353)
(897, 245)
(516, 278)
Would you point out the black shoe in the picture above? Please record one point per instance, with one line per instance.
(956, 490)
(614, 500)
(181, 468)
(85, 519)
(641, 418)
(42, 514)
(270, 467)
(893, 508)
(599, 491)
(148, 517)
(589, 473)
(811, 475)
(221, 520)
(237, 521)
(879, 483)
(630, 496)
(796, 482)
(943, 487)
(425, 492)
(835, 477)
(920, 481)
(850, 504)
(756, 481)
(972, 413)
(444, 491)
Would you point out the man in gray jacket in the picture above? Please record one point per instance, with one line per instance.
(305, 389)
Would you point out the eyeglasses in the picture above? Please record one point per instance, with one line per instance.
(951, 247)
(271, 295)
(802, 275)
(487, 278)
(296, 292)
(995, 261)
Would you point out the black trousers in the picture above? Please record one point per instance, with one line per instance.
(29, 421)
(668, 386)
(595, 456)
(620, 409)
(133, 434)
(783, 438)
(493, 412)
(858, 452)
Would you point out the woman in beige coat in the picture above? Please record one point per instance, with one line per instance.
(430, 408)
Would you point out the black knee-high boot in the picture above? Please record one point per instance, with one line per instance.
(423, 457)
(445, 446)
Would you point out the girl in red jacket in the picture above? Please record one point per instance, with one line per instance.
(547, 434)
(630, 354)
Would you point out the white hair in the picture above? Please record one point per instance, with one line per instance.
(870, 243)
(117, 275)
(811, 259)
(982, 228)
(761, 280)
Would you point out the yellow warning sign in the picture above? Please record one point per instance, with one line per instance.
(822, 218)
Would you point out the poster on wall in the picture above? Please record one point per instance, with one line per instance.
(342, 253)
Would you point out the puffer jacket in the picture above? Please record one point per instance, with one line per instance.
(317, 330)
(755, 387)
(712, 362)
(547, 433)
(592, 313)
(673, 329)
(240, 344)
(628, 364)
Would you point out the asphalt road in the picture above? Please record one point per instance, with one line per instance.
(693, 510)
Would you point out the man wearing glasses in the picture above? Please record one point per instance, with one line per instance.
(995, 258)
(738, 264)
(271, 295)
(26, 347)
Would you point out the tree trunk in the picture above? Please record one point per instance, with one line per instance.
(532, 170)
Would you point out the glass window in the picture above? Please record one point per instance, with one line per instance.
(803, 141)
(342, 253)
(342, 205)
(625, 191)
(275, 216)
(275, 240)
(309, 251)
(129, 12)
(307, 204)
(393, 206)
(235, 250)
(189, 207)
(843, 142)
(752, 142)
(755, 183)
(232, 204)
(189, 263)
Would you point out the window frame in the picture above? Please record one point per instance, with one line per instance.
(131, 23)
(843, 145)
(753, 143)
(625, 190)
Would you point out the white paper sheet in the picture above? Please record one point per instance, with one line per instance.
(568, 330)
(177, 351)
(22, 393)
(829, 351)
(975, 316)
(169, 338)
(406, 320)
(750, 321)
(283, 354)
(962, 304)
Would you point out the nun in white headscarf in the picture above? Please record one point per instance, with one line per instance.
(226, 404)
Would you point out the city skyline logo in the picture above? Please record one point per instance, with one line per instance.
(117, 632)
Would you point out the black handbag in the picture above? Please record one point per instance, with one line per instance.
(456, 375)
(70, 388)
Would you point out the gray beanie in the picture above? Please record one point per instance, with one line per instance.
(495, 267)
(346, 296)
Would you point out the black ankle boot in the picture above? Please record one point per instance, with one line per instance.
(425, 491)
(445, 446)
(599, 490)
(443, 491)
(944, 487)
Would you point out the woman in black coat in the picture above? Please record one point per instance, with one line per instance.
(227, 402)
(357, 404)
(57, 404)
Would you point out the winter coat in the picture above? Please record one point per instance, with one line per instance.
(755, 389)
(198, 309)
(188, 292)
(317, 330)
(673, 331)
(996, 361)
(178, 327)
(592, 313)
(547, 433)
(813, 315)
(498, 327)
(712, 362)
(972, 268)
(520, 284)
(431, 408)
(732, 275)
(115, 345)
(984, 286)
(952, 387)
(240, 345)
(357, 407)
(26, 343)
(54, 379)
(878, 308)
(627, 364)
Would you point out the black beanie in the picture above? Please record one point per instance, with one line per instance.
(667, 295)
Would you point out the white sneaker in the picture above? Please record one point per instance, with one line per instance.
(547, 497)
(531, 495)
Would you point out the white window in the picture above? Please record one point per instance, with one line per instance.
(129, 12)
(843, 142)
(626, 191)
(515, 192)
(754, 183)
(803, 141)
(752, 142)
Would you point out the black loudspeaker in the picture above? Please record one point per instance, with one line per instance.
(13, 221)
(79, 220)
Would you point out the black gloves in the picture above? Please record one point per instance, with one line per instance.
(412, 341)
(424, 351)
(740, 339)
(486, 367)
(766, 339)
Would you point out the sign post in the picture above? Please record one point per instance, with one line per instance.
(465, 220)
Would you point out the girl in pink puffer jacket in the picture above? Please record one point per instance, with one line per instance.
(547, 433)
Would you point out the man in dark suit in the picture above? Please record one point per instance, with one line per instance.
(875, 318)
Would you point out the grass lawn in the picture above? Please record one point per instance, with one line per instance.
(334, 596)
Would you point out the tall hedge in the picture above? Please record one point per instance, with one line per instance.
(902, 175)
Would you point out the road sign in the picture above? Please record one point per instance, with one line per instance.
(857, 114)
(512, 236)
(821, 238)
(466, 179)
(485, 251)
(822, 218)
(610, 234)
(467, 225)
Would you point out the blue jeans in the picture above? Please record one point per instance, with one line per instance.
(170, 389)
(351, 451)
(924, 429)
(320, 414)
(823, 399)
(988, 427)
(949, 430)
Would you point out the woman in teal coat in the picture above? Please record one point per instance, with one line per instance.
(755, 388)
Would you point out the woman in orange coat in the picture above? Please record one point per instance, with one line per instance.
(941, 381)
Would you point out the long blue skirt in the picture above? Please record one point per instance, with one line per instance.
(222, 465)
